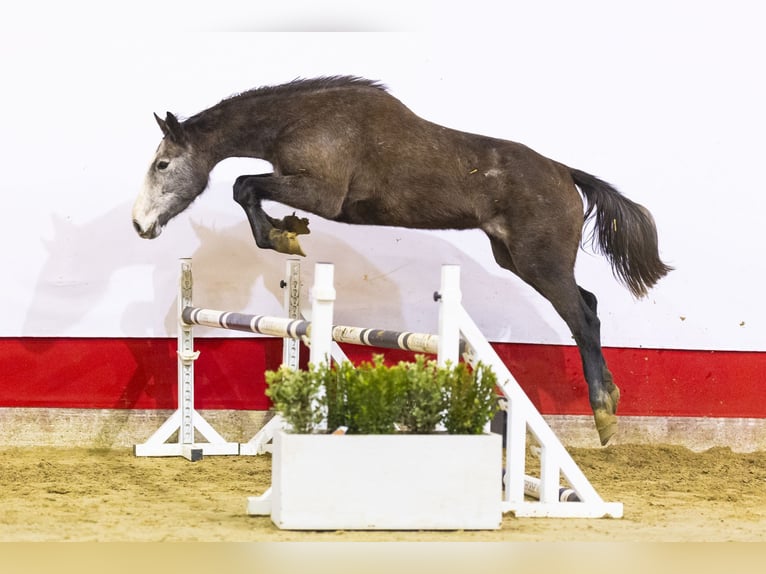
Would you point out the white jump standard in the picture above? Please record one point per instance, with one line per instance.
(320, 334)
(556, 462)
(186, 420)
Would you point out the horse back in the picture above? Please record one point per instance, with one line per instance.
(394, 168)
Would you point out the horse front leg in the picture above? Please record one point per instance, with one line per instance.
(269, 233)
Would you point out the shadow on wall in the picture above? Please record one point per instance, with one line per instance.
(390, 273)
(230, 272)
(81, 261)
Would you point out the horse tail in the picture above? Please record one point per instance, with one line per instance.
(625, 232)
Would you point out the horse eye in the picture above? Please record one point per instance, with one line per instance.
(162, 164)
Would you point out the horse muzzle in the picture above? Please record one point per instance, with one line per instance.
(149, 232)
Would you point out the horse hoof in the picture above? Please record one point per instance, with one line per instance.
(294, 224)
(285, 242)
(606, 425)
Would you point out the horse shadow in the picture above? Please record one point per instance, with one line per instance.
(391, 271)
(392, 277)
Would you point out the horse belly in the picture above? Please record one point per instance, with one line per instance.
(441, 205)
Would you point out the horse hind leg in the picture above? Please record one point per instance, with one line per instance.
(614, 391)
(554, 280)
(579, 314)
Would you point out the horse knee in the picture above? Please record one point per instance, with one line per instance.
(243, 193)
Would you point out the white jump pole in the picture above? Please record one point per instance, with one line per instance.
(449, 316)
(323, 302)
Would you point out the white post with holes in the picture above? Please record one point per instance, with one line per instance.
(185, 420)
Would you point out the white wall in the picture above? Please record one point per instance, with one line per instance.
(665, 100)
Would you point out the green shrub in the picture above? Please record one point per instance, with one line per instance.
(471, 398)
(374, 398)
(296, 396)
(336, 383)
(365, 399)
(424, 400)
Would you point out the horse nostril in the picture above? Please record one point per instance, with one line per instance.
(149, 232)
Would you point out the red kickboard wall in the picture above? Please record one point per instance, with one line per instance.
(141, 374)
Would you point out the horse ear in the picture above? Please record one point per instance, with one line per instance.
(175, 130)
(162, 124)
(171, 127)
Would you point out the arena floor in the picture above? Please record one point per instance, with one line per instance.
(71, 494)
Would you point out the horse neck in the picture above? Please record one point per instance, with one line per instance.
(237, 129)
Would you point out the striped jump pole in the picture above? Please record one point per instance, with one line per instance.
(261, 324)
(323, 294)
(302, 329)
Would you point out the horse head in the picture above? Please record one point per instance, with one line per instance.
(176, 176)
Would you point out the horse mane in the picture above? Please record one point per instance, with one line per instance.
(299, 85)
(206, 119)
